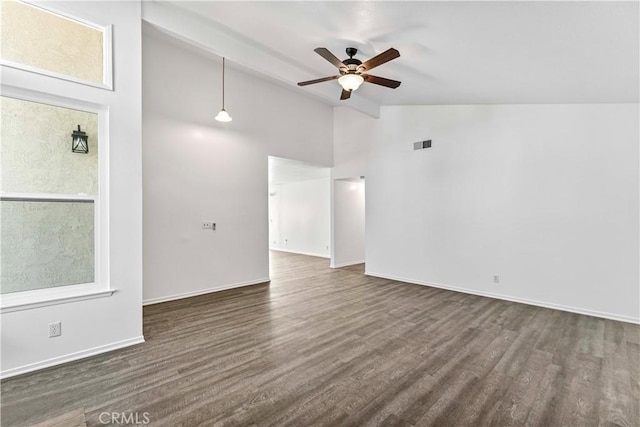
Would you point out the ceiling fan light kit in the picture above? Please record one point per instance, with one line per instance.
(351, 82)
(353, 71)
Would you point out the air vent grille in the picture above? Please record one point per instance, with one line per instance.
(422, 144)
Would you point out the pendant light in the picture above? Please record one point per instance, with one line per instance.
(223, 116)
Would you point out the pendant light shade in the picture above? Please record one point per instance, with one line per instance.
(223, 116)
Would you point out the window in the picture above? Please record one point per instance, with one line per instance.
(54, 213)
(37, 40)
(46, 242)
(51, 236)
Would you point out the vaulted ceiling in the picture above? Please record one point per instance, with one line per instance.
(451, 52)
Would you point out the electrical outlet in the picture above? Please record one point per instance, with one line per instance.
(496, 279)
(55, 329)
(209, 226)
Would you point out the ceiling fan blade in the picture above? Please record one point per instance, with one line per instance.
(324, 79)
(377, 60)
(381, 81)
(324, 52)
(346, 94)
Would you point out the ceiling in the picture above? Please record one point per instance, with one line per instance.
(285, 171)
(451, 52)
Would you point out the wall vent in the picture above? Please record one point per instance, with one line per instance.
(422, 144)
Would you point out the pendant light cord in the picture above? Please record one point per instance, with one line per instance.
(223, 82)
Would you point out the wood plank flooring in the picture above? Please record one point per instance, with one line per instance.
(336, 348)
(70, 419)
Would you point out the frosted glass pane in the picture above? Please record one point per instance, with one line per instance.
(34, 37)
(45, 244)
(35, 149)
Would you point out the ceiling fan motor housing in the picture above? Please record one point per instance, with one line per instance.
(351, 63)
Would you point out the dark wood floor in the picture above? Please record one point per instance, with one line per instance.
(337, 348)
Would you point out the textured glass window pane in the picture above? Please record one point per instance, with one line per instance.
(34, 37)
(45, 244)
(35, 149)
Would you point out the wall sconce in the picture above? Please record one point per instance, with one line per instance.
(79, 141)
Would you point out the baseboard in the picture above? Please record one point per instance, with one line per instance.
(301, 253)
(537, 303)
(346, 264)
(70, 357)
(203, 291)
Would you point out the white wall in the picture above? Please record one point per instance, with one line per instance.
(545, 196)
(300, 217)
(348, 222)
(196, 169)
(353, 136)
(95, 325)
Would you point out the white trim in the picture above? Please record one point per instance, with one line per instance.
(55, 100)
(346, 264)
(107, 51)
(59, 76)
(102, 215)
(107, 57)
(301, 253)
(48, 196)
(71, 357)
(537, 303)
(18, 301)
(204, 291)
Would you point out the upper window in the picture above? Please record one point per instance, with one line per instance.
(40, 41)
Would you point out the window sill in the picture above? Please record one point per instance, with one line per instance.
(11, 303)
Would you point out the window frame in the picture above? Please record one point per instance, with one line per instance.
(107, 52)
(101, 286)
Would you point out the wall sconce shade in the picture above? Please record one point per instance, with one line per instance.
(79, 141)
(223, 116)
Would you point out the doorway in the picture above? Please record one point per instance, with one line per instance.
(348, 222)
(299, 207)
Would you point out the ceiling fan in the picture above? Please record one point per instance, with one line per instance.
(353, 71)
